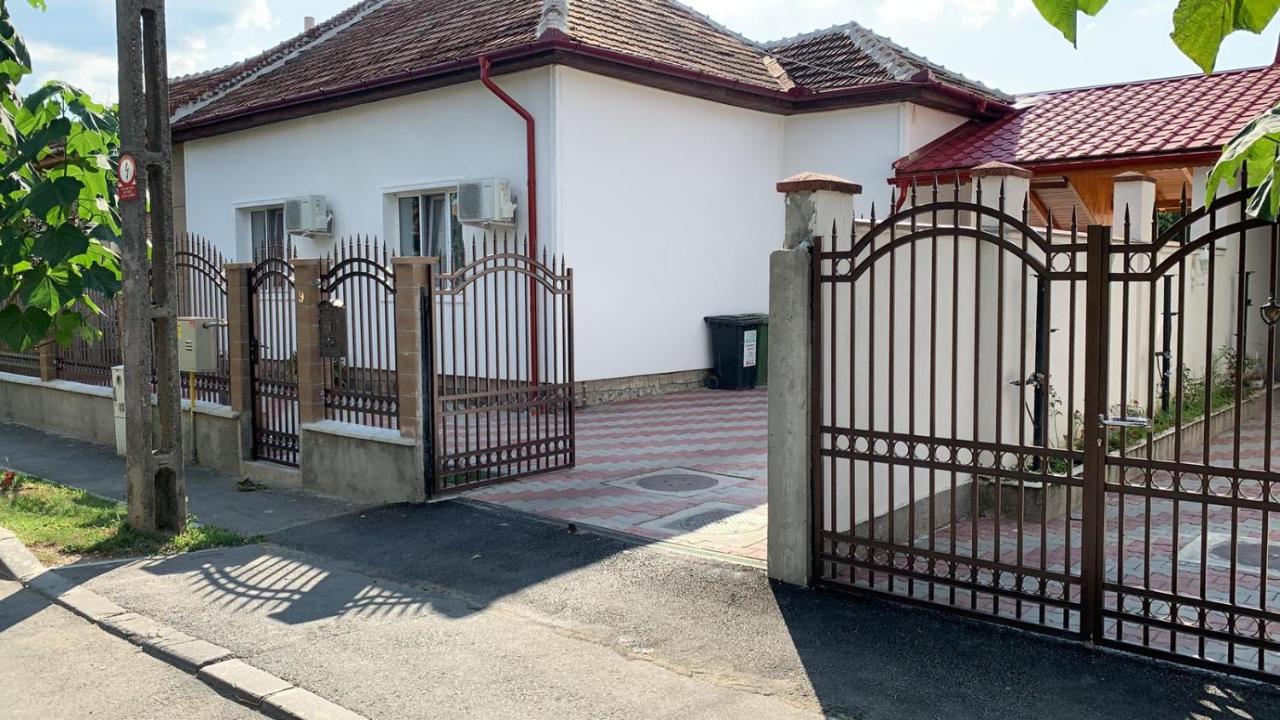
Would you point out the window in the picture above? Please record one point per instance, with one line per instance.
(267, 232)
(429, 227)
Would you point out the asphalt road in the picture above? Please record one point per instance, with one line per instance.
(451, 610)
(54, 664)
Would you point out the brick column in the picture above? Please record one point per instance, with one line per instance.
(239, 335)
(412, 275)
(48, 352)
(306, 278)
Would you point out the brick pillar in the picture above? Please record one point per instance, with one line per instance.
(239, 335)
(412, 275)
(48, 353)
(306, 278)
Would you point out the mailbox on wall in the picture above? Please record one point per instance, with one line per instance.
(198, 344)
(333, 329)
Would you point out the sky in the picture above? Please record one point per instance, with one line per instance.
(1002, 43)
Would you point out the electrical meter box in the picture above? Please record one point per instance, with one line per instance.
(197, 344)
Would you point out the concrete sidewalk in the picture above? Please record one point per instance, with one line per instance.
(455, 610)
(212, 496)
(56, 665)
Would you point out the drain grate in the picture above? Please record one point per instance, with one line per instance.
(677, 482)
(1248, 554)
(717, 522)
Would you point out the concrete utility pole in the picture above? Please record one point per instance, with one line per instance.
(157, 491)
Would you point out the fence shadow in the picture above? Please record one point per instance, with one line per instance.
(874, 658)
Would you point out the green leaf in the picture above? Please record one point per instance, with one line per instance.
(52, 193)
(1256, 144)
(60, 244)
(1200, 26)
(1063, 14)
(20, 328)
(100, 278)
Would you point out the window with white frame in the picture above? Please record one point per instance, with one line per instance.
(429, 227)
(266, 228)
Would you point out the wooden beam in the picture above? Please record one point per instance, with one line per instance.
(1094, 191)
(1038, 203)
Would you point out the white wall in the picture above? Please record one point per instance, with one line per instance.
(356, 156)
(861, 144)
(664, 205)
(668, 213)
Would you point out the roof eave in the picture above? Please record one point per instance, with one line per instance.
(1190, 157)
(556, 47)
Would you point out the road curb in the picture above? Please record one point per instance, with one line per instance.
(215, 666)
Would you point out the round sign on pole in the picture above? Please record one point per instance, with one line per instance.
(127, 189)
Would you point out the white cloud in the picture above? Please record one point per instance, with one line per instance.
(255, 15)
(191, 55)
(971, 14)
(92, 72)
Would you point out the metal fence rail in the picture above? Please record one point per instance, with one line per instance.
(23, 363)
(501, 368)
(202, 292)
(360, 386)
(88, 360)
(1056, 429)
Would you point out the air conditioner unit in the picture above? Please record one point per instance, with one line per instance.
(486, 201)
(306, 215)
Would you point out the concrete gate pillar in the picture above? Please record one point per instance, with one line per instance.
(814, 205)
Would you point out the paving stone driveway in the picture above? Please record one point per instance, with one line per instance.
(713, 442)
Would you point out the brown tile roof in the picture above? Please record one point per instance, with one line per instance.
(197, 86)
(669, 33)
(850, 55)
(381, 40)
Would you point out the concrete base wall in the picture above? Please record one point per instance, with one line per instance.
(67, 408)
(598, 392)
(360, 464)
(84, 412)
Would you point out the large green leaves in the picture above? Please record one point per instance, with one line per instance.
(1200, 26)
(1252, 152)
(58, 217)
(1063, 14)
(21, 329)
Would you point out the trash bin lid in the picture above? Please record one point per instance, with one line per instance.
(746, 319)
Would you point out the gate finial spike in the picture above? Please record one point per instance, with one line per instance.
(935, 188)
(1000, 200)
(1126, 223)
(873, 214)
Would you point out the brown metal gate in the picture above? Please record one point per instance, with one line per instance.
(274, 361)
(1055, 429)
(499, 365)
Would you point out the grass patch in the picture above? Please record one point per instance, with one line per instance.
(62, 525)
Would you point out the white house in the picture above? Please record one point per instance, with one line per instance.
(655, 138)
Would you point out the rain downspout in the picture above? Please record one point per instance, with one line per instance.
(531, 175)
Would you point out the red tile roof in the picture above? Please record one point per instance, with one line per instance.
(1155, 118)
(381, 40)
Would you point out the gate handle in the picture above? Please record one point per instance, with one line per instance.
(1133, 421)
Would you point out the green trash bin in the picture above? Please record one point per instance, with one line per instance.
(736, 343)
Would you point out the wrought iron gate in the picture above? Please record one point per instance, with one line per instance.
(1055, 429)
(498, 363)
(274, 361)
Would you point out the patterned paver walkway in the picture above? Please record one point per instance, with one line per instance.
(625, 449)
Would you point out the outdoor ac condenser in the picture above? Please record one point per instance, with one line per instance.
(306, 215)
(486, 201)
